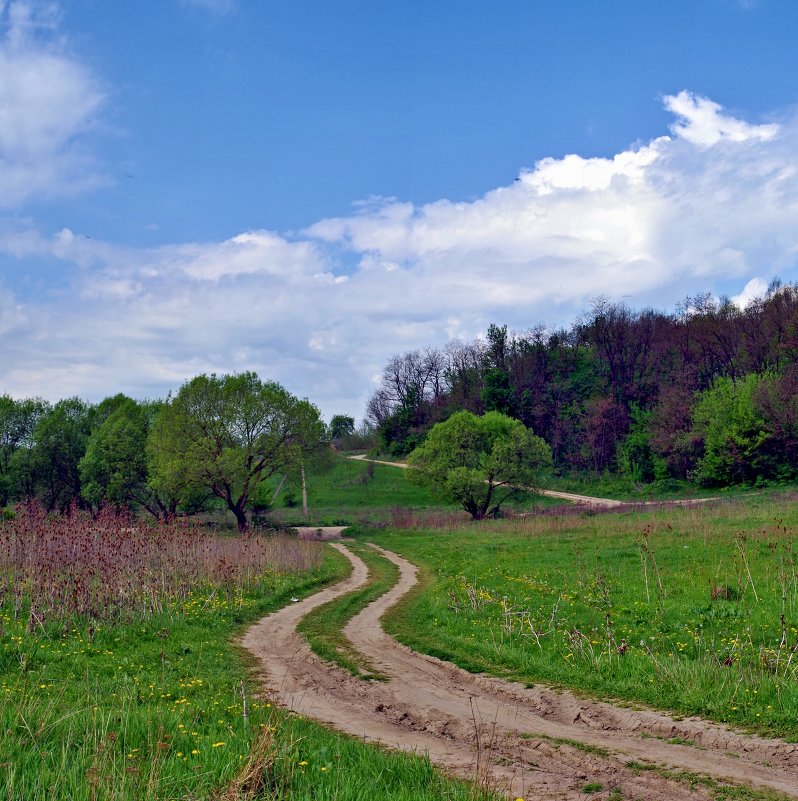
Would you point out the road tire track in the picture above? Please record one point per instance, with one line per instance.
(501, 733)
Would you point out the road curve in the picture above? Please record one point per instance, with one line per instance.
(497, 732)
(584, 500)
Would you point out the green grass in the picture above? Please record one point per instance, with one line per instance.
(353, 491)
(155, 710)
(323, 627)
(623, 488)
(563, 600)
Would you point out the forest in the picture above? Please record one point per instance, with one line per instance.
(706, 393)
(217, 440)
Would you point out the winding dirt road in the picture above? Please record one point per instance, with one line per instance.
(583, 500)
(497, 732)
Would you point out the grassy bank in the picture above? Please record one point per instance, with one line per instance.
(680, 609)
(624, 488)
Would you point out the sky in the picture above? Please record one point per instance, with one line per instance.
(305, 189)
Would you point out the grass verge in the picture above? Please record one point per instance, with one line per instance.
(691, 610)
(323, 627)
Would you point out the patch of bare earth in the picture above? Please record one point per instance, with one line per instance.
(529, 743)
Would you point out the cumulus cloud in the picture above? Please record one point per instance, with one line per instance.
(49, 102)
(710, 206)
(756, 288)
(703, 122)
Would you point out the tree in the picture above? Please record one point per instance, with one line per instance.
(733, 429)
(18, 420)
(114, 468)
(227, 434)
(49, 468)
(479, 462)
(341, 426)
(497, 395)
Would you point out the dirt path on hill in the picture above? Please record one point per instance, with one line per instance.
(530, 743)
(584, 500)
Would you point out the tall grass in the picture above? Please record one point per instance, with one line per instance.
(111, 568)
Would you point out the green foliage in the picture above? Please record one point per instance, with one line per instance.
(114, 467)
(227, 434)
(497, 395)
(341, 425)
(678, 624)
(18, 419)
(728, 420)
(636, 459)
(479, 462)
(48, 469)
(403, 430)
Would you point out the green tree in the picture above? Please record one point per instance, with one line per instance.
(49, 468)
(734, 432)
(18, 420)
(341, 426)
(497, 395)
(227, 434)
(479, 462)
(114, 468)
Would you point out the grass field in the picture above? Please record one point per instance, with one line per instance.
(152, 699)
(127, 684)
(691, 610)
(623, 488)
(367, 494)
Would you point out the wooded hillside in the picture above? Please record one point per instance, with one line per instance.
(706, 393)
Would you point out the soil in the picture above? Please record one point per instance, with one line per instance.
(530, 743)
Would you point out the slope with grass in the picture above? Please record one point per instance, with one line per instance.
(692, 610)
(357, 491)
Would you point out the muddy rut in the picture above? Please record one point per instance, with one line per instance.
(529, 743)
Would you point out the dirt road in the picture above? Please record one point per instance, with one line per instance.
(584, 500)
(498, 732)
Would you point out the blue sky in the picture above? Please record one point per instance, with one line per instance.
(305, 189)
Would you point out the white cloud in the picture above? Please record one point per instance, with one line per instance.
(49, 102)
(703, 123)
(753, 290)
(714, 203)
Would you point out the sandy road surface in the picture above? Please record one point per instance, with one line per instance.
(585, 500)
(497, 731)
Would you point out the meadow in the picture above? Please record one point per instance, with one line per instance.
(120, 677)
(365, 494)
(693, 610)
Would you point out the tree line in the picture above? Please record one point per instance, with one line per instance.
(708, 392)
(218, 437)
